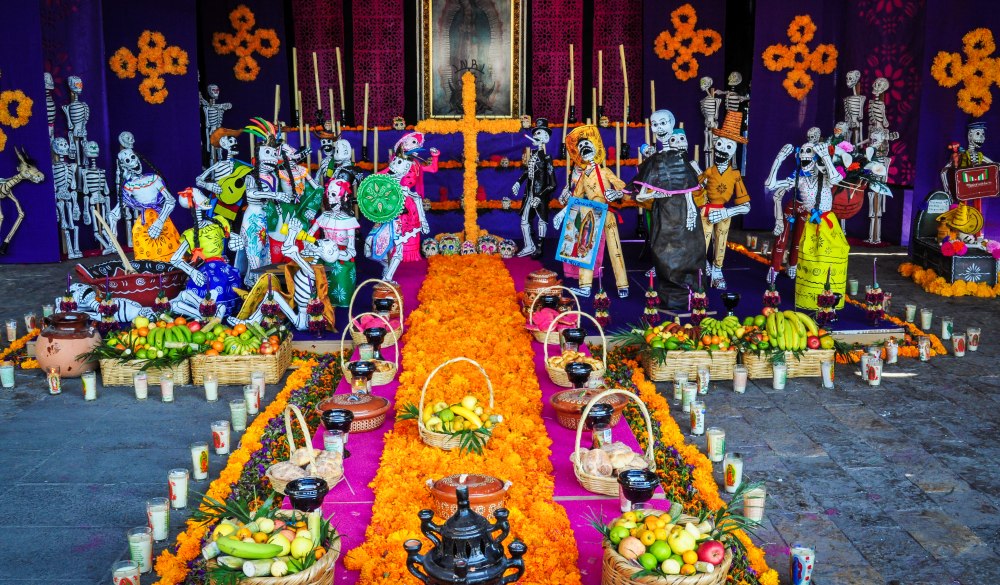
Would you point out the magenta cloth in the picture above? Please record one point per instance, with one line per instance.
(367, 321)
(350, 501)
(620, 22)
(319, 28)
(573, 271)
(543, 318)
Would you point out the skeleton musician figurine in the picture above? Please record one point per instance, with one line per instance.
(539, 179)
(221, 178)
(213, 120)
(262, 185)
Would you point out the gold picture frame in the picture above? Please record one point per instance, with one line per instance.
(482, 36)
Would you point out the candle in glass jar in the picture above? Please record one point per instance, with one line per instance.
(29, 320)
(238, 414)
(926, 319)
(852, 287)
(11, 330)
(680, 378)
(158, 514)
(220, 436)
(7, 374)
(958, 344)
(177, 481)
(973, 334)
(125, 573)
(366, 352)
(732, 466)
(826, 371)
(140, 547)
(89, 380)
(911, 312)
(199, 460)
(716, 439)
(167, 386)
(54, 380)
(690, 392)
(753, 504)
(704, 377)
(333, 441)
(211, 387)
(252, 399)
(873, 371)
(140, 381)
(924, 348)
(779, 377)
(47, 310)
(947, 325)
(740, 375)
(697, 418)
(31, 348)
(257, 380)
(891, 351)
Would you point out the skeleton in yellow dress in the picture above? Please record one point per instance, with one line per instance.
(154, 236)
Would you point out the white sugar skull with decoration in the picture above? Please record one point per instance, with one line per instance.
(399, 123)
(525, 122)
(507, 249)
(468, 248)
(429, 247)
(449, 244)
(486, 245)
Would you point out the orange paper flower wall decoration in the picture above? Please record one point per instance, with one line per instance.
(799, 59)
(245, 42)
(15, 111)
(681, 45)
(155, 59)
(977, 73)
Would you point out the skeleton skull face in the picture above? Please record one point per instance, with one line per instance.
(840, 129)
(877, 138)
(734, 79)
(677, 141)
(213, 91)
(60, 146)
(411, 141)
(336, 192)
(540, 137)
(49, 82)
(75, 84)
(587, 150)
(504, 162)
(399, 123)
(604, 122)
(507, 249)
(128, 160)
(704, 83)
(468, 248)
(807, 155)
(399, 166)
(525, 122)
(976, 136)
(342, 151)
(126, 140)
(725, 149)
(814, 135)
(486, 245)
(91, 149)
(267, 157)
(449, 245)
(326, 145)
(853, 77)
(429, 247)
(879, 86)
(228, 143)
(662, 124)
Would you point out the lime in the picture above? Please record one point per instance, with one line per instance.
(659, 549)
(198, 337)
(763, 345)
(617, 534)
(657, 343)
(446, 415)
(647, 561)
(671, 344)
(140, 354)
(759, 320)
(748, 321)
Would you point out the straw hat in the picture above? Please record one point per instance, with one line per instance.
(963, 218)
(731, 127)
(588, 132)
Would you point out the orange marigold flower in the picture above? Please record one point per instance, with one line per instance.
(267, 42)
(223, 43)
(245, 44)
(153, 90)
(798, 83)
(978, 43)
(123, 63)
(246, 69)
(802, 29)
(150, 63)
(947, 69)
(709, 41)
(684, 17)
(975, 100)
(22, 111)
(800, 56)
(824, 59)
(685, 67)
(777, 57)
(242, 18)
(175, 61)
(664, 46)
(151, 41)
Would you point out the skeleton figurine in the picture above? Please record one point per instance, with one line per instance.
(213, 120)
(854, 107)
(337, 164)
(878, 168)
(77, 116)
(734, 99)
(26, 169)
(96, 198)
(339, 229)
(88, 302)
(387, 241)
(539, 178)
(154, 236)
(263, 185)
(710, 106)
(50, 105)
(221, 140)
(68, 208)
(126, 142)
(877, 119)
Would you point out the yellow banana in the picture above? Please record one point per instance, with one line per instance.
(467, 415)
(247, 550)
(811, 325)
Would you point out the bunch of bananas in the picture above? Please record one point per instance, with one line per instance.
(789, 330)
(246, 343)
(725, 328)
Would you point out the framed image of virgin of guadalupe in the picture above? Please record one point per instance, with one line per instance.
(580, 235)
(480, 36)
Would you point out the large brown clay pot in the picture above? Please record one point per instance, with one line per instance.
(67, 335)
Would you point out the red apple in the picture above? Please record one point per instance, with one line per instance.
(812, 342)
(194, 326)
(711, 551)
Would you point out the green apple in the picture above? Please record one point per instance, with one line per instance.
(680, 540)
(617, 534)
(140, 322)
(671, 567)
(280, 540)
(648, 561)
(659, 549)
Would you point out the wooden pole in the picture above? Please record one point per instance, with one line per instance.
(600, 77)
(340, 79)
(593, 104)
(646, 135)
(295, 81)
(364, 135)
(251, 148)
(333, 112)
(618, 150)
(319, 95)
(129, 269)
(375, 155)
(572, 77)
(569, 91)
(621, 53)
(277, 102)
(652, 95)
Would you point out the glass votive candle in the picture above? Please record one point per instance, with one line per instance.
(891, 351)
(704, 377)
(199, 460)
(732, 472)
(211, 382)
(926, 319)
(697, 418)
(7, 374)
(54, 379)
(29, 320)
(48, 310)
(716, 439)
(31, 348)
(958, 344)
(826, 371)
(89, 380)
(947, 325)
(333, 441)
(690, 392)
(140, 381)
(238, 414)
(740, 375)
(779, 377)
(257, 380)
(140, 547)
(366, 352)
(873, 371)
(852, 287)
(911, 312)
(753, 504)
(220, 436)
(158, 514)
(680, 378)
(167, 386)
(252, 399)
(973, 334)
(177, 481)
(125, 573)
(11, 330)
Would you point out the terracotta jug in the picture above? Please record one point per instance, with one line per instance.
(67, 335)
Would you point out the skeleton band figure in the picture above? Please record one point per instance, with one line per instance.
(337, 164)
(64, 179)
(854, 107)
(710, 105)
(50, 105)
(97, 198)
(213, 111)
(339, 229)
(539, 179)
(223, 178)
(263, 187)
(306, 196)
(27, 169)
(154, 236)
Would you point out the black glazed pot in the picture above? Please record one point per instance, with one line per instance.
(307, 493)
(578, 373)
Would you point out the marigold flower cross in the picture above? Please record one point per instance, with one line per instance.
(685, 42)
(798, 58)
(155, 60)
(977, 73)
(245, 42)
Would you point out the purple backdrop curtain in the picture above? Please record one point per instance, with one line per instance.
(681, 97)
(941, 121)
(775, 118)
(167, 134)
(378, 61)
(37, 240)
(619, 22)
(319, 28)
(555, 24)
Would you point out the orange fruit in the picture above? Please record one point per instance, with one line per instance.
(143, 331)
(211, 352)
(259, 537)
(690, 557)
(161, 323)
(240, 329)
(706, 340)
(319, 552)
(119, 347)
(651, 522)
(218, 346)
(274, 339)
(715, 340)
(242, 533)
(647, 537)
(687, 569)
(180, 321)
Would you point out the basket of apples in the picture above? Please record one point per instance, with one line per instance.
(657, 547)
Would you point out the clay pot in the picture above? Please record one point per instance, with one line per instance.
(65, 336)
(486, 493)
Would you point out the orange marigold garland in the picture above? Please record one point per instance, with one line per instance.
(684, 42)
(977, 73)
(802, 29)
(22, 111)
(797, 83)
(123, 63)
(799, 59)
(246, 42)
(155, 59)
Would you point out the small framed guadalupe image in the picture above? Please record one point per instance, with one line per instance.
(580, 237)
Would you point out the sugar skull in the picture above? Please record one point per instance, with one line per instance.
(126, 139)
(504, 162)
(449, 244)
(507, 249)
(399, 123)
(705, 83)
(429, 247)
(486, 245)
(525, 122)
(468, 248)
(604, 122)
(91, 149)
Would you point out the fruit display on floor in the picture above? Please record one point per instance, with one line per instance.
(776, 330)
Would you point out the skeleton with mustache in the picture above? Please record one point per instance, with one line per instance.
(539, 179)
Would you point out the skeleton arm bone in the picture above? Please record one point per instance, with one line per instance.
(178, 261)
(772, 183)
(206, 180)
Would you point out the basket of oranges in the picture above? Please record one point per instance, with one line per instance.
(232, 353)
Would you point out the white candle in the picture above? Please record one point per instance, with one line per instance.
(141, 383)
(319, 99)
(177, 481)
(211, 387)
(697, 418)
(11, 330)
(125, 573)
(295, 77)
(199, 460)
(47, 310)
(704, 377)
(690, 391)
(826, 370)
(973, 334)
(926, 319)
(958, 342)
(740, 375)
(947, 325)
(753, 504)
(340, 79)
(716, 439)
(140, 547)
(167, 387)
(89, 385)
(238, 413)
(220, 436)
(252, 398)
(7, 374)
(277, 103)
(680, 378)
(364, 133)
(732, 466)
(158, 514)
(572, 76)
(779, 377)
(600, 78)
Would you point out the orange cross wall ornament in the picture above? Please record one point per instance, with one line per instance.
(470, 126)
(799, 59)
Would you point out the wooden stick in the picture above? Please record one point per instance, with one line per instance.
(618, 150)
(277, 102)
(621, 53)
(600, 78)
(129, 269)
(593, 104)
(569, 90)
(303, 133)
(572, 78)
(319, 95)
(295, 81)
(375, 159)
(333, 112)
(646, 136)
(652, 95)
(340, 79)
(364, 135)
(251, 148)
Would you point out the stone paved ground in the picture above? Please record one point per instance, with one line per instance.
(898, 484)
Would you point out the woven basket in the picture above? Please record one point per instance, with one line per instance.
(235, 369)
(444, 441)
(807, 365)
(719, 363)
(617, 570)
(598, 483)
(559, 376)
(542, 336)
(280, 484)
(392, 335)
(380, 378)
(319, 573)
(118, 373)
